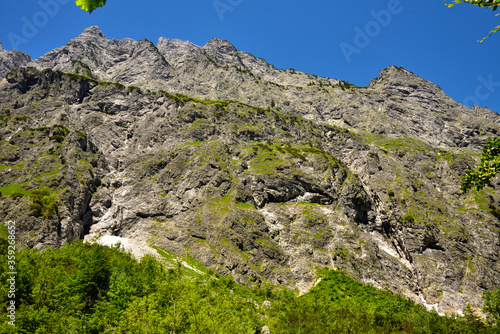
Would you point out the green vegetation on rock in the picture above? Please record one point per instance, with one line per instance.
(487, 169)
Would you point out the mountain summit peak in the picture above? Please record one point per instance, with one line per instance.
(395, 71)
(404, 81)
(217, 42)
(92, 31)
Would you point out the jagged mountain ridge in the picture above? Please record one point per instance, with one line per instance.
(266, 193)
(12, 59)
(219, 71)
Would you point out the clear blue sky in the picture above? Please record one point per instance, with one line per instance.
(424, 36)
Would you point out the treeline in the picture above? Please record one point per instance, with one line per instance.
(87, 288)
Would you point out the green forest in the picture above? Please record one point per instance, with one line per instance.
(88, 288)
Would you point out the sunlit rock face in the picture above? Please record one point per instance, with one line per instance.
(10, 60)
(259, 173)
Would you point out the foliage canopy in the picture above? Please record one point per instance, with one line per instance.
(87, 288)
(489, 166)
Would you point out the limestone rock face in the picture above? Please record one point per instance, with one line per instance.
(281, 173)
(10, 60)
(397, 103)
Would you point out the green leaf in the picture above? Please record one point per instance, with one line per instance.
(90, 5)
(497, 28)
(487, 169)
(493, 4)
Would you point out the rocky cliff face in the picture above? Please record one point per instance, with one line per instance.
(10, 60)
(262, 174)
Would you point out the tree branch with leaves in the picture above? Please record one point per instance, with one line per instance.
(489, 167)
(90, 5)
(493, 4)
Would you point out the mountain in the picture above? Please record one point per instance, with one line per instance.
(258, 173)
(12, 59)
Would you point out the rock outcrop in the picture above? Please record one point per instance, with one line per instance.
(10, 60)
(280, 173)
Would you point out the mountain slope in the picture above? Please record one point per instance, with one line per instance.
(10, 60)
(219, 71)
(363, 179)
